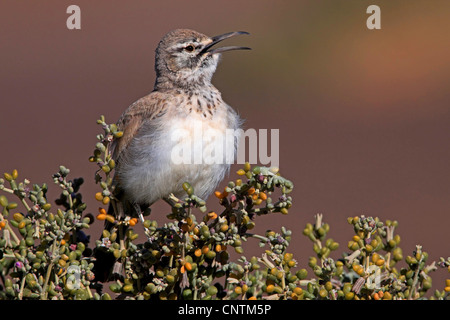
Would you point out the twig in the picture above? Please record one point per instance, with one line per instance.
(49, 271)
(22, 285)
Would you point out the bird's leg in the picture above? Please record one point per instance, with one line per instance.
(137, 209)
(118, 208)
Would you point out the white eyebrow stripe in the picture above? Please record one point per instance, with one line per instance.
(184, 44)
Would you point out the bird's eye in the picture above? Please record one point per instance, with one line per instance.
(189, 48)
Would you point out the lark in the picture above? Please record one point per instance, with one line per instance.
(182, 101)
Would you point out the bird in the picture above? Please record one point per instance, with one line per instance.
(168, 120)
(183, 114)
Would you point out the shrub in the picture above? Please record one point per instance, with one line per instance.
(45, 254)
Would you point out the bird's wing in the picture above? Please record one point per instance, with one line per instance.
(144, 109)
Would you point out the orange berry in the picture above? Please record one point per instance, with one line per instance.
(110, 218)
(102, 210)
(380, 262)
(212, 215)
(376, 296)
(101, 216)
(221, 195)
(387, 296)
(205, 249)
(263, 196)
(220, 247)
(188, 266)
(251, 191)
(63, 242)
(2, 224)
(298, 291)
(252, 298)
(133, 221)
(99, 196)
(198, 252)
(182, 269)
(270, 288)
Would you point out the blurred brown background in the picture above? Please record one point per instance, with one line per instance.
(363, 114)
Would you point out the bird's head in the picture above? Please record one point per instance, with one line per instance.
(187, 58)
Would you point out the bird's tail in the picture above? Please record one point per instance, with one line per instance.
(106, 265)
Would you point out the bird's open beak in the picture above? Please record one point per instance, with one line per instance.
(208, 48)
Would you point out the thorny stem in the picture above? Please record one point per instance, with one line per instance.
(389, 233)
(22, 285)
(353, 256)
(121, 240)
(319, 244)
(431, 267)
(283, 281)
(266, 261)
(388, 261)
(8, 190)
(25, 204)
(70, 201)
(194, 284)
(88, 291)
(413, 286)
(257, 236)
(416, 276)
(171, 260)
(366, 261)
(49, 271)
(318, 223)
(11, 231)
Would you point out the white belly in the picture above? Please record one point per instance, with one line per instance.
(182, 149)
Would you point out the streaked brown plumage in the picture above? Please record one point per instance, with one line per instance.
(183, 99)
